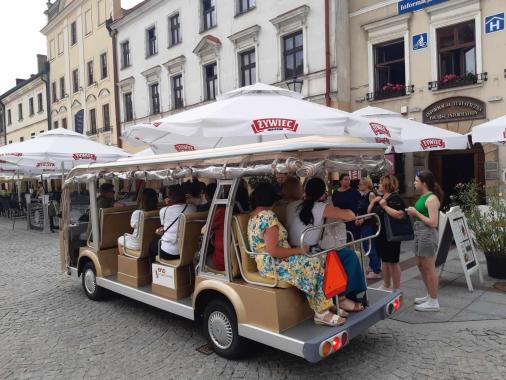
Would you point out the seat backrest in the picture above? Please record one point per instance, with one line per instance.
(190, 226)
(240, 229)
(150, 221)
(280, 210)
(114, 222)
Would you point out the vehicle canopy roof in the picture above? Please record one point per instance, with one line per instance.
(305, 156)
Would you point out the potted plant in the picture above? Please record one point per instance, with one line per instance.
(391, 90)
(488, 222)
(454, 80)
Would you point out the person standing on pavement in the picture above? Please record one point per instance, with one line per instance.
(426, 212)
(391, 204)
(347, 198)
(367, 227)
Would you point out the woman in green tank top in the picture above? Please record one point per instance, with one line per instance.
(426, 213)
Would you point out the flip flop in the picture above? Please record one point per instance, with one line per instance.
(357, 307)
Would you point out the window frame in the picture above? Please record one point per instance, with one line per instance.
(106, 117)
(125, 58)
(54, 93)
(73, 33)
(207, 81)
(251, 4)
(62, 87)
(93, 121)
(31, 107)
(292, 52)
(20, 111)
(211, 11)
(9, 117)
(40, 102)
(128, 105)
(90, 73)
(177, 89)
(376, 85)
(175, 29)
(151, 42)
(75, 81)
(55, 126)
(64, 123)
(249, 67)
(453, 48)
(104, 67)
(155, 108)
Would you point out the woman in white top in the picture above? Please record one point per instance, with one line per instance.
(148, 202)
(311, 212)
(169, 217)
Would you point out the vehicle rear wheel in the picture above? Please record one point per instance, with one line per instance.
(220, 326)
(89, 279)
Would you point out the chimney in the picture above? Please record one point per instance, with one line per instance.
(19, 81)
(41, 63)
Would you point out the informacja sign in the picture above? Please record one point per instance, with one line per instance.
(406, 6)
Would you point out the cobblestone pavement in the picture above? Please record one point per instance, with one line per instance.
(49, 329)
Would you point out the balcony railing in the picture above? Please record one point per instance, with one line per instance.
(390, 91)
(453, 80)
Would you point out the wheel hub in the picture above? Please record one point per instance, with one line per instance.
(90, 281)
(220, 330)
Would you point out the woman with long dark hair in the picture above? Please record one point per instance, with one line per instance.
(426, 212)
(313, 211)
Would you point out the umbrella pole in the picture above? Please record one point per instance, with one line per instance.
(18, 185)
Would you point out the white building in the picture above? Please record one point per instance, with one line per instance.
(24, 108)
(177, 54)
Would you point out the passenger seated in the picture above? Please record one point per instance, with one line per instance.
(267, 234)
(106, 197)
(312, 211)
(193, 192)
(148, 202)
(242, 203)
(291, 191)
(169, 217)
(208, 195)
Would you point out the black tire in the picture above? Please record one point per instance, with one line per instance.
(89, 281)
(220, 327)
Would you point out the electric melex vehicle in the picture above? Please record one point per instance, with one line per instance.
(237, 304)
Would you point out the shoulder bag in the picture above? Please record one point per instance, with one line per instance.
(398, 229)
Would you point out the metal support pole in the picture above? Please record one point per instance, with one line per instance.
(45, 212)
(28, 199)
(94, 214)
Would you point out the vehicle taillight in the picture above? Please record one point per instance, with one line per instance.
(394, 305)
(333, 344)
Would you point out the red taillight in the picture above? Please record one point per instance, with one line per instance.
(396, 304)
(336, 343)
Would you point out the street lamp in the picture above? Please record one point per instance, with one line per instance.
(295, 85)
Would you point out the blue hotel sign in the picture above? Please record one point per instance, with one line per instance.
(406, 6)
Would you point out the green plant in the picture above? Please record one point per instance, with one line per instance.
(487, 222)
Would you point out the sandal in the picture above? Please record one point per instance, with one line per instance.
(328, 318)
(357, 307)
(342, 313)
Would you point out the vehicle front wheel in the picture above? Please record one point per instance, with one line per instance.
(89, 279)
(220, 326)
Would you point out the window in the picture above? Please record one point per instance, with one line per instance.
(40, 106)
(53, 92)
(75, 80)
(389, 69)
(151, 41)
(456, 46)
(10, 141)
(175, 30)
(155, 99)
(103, 66)
(93, 122)
(101, 12)
(60, 43)
(73, 33)
(177, 91)
(211, 75)
(62, 87)
(88, 26)
(293, 60)
(125, 54)
(91, 78)
(64, 123)
(21, 139)
(129, 116)
(248, 67)
(208, 14)
(20, 111)
(55, 126)
(9, 117)
(106, 117)
(31, 108)
(246, 5)
(52, 49)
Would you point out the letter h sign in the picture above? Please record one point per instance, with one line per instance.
(494, 23)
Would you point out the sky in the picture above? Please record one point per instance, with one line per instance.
(23, 19)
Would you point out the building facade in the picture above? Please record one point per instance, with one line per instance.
(174, 55)
(24, 108)
(80, 53)
(442, 64)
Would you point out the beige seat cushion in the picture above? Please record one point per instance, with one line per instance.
(249, 265)
(114, 222)
(149, 222)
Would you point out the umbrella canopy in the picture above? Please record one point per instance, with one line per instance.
(493, 131)
(59, 148)
(251, 114)
(415, 136)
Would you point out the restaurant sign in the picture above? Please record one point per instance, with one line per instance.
(454, 109)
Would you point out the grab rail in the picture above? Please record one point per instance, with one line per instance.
(322, 226)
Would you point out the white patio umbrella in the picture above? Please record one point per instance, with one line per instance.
(493, 131)
(251, 114)
(415, 136)
(59, 149)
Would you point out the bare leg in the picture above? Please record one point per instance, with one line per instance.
(387, 275)
(431, 279)
(395, 272)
